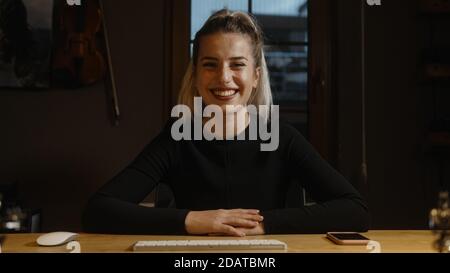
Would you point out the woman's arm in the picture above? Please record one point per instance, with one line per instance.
(115, 207)
(339, 207)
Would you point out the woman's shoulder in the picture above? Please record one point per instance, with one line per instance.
(289, 131)
(292, 140)
(166, 130)
(163, 139)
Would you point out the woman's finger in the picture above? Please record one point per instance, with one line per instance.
(240, 222)
(246, 211)
(229, 230)
(251, 217)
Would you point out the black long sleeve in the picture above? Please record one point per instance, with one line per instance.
(338, 206)
(223, 175)
(115, 207)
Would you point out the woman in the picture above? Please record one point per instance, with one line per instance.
(221, 186)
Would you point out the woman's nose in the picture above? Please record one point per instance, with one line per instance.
(225, 75)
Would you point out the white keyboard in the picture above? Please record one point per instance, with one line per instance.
(193, 245)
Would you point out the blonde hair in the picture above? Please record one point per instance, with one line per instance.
(227, 21)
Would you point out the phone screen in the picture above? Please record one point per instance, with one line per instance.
(349, 236)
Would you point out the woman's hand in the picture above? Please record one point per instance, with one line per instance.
(258, 230)
(225, 222)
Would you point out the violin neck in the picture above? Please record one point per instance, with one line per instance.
(81, 17)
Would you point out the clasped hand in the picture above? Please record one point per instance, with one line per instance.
(233, 222)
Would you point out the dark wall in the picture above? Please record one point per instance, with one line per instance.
(60, 145)
(401, 182)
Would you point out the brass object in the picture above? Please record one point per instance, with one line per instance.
(440, 224)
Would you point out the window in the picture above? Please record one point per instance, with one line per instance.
(299, 52)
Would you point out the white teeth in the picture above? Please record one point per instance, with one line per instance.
(226, 93)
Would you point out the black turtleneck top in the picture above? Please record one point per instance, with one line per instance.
(226, 174)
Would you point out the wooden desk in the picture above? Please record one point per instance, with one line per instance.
(403, 241)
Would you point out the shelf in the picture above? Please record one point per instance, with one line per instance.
(434, 74)
(434, 6)
(438, 145)
(436, 71)
(435, 65)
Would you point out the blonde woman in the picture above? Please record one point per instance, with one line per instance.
(227, 187)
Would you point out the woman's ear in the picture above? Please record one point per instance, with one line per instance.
(257, 75)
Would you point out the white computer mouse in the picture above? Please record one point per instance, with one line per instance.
(56, 238)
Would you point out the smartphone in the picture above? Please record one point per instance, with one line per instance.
(347, 238)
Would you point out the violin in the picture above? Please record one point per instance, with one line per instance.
(76, 60)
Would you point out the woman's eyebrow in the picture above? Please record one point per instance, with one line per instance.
(215, 59)
(208, 59)
(238, 58)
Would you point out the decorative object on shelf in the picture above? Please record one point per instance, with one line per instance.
(14, 218)
(437, 71)
(440, 223)
(25, 43)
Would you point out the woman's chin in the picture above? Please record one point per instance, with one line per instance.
(224, 104)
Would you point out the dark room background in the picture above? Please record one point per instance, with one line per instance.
(60, 145)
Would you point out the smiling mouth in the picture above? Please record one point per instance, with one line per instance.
(224, 94)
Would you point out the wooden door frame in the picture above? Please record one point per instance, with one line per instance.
(177, 54)
(322, 100)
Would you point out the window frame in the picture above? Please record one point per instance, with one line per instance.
(322, 98)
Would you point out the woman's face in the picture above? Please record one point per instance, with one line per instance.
(225, 73)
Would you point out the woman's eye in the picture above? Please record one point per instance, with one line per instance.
(209, 64)
(237, 65)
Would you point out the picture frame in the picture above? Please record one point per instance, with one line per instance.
(25, 43)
